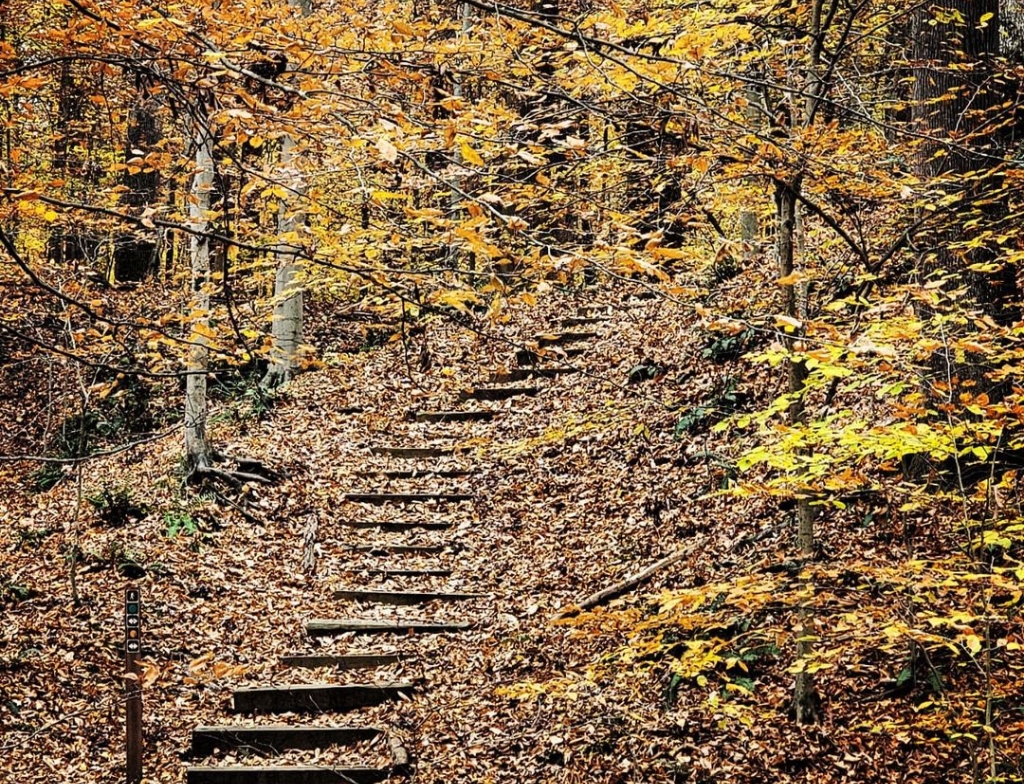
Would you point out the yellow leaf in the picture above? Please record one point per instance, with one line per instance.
(470, 155)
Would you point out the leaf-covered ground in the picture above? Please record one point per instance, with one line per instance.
(576, 488)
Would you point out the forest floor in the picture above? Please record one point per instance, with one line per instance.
(575, 488)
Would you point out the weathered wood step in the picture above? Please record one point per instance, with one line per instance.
(496, 393)
(275, 738)
(645, 294)
(407, 498)
(563, 338)
(524, 373)
(397, 526)
(591, 311)
(583, 321)
(452, 416)
(322, 627)
(412, 452)
(526, 356)
(425, 473)
(317, 697)
(285, 774)
(341, 661)
(410, 572)
(403, 549)
(403, 598)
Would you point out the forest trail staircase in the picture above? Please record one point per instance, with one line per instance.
(326, 697)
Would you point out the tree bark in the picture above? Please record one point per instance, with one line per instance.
(197, 444)
(286, 326)
(955, 104)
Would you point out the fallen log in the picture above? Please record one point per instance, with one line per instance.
(623, 586)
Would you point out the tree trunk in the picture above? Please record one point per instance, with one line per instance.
(136, 254)
(805, 697)
(955, 99)
(197, 444)
(288, 294)
(286, 326)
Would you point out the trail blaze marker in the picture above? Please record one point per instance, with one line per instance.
(133, 686)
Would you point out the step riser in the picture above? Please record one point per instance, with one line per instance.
(425, 474)
(275, 739)
(402, 598)
(286, 775)
(380, 499)
(341, 662)
(398, 527)
(329, 627)
(412, 453)
(453, 416)
(497, 394)
(314, 699)
(402, 549)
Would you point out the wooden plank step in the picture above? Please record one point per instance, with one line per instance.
(452, 416)
(524, 373)
(424, 473)
(407, 498)
(410, 572)
(316, 697)
(398, 526)
(341, 661)
(496, 393)
(322, 627)
(285, 774)
(403, 598)
(275, 738)
(412, 452)
(348, 410)
(562, 338)
(645, 294)
(402, 549)
(583, 321)
(526, 356)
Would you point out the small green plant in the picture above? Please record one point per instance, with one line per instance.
(180, 524)
(728, 348)
(117, 506)
(724, 401)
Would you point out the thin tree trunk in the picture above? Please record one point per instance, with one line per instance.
(288, 293)
(197, 443)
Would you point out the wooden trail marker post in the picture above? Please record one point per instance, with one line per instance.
(133, 686)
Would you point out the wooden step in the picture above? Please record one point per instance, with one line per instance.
(403, 549)
(425, 473)
(396, 526)
(526, 357)
(402, 598)
(451, 416)
(408, 572)
(322, 627)
(348, 410)
(591, 311)
(496, 393)
(412, 452)
(316, 698)
(285, 774)
(341, 661)
(583, 321)
(406, 498)
(522, 374)
(563, 338)
(275, 738)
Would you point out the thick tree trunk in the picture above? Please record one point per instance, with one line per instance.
(955, 100)
(197, 443)
(136, 254)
